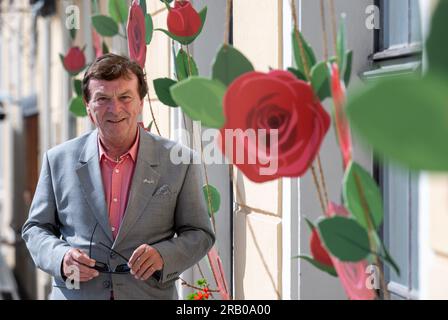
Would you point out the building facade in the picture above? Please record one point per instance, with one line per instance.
(260, 228)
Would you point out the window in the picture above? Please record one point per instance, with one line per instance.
(400, 230)
(400, 32)
(398, 51)
(1, 158)
(2, 151)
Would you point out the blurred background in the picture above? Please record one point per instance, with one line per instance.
(256, 240)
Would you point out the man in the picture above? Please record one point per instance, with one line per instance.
(109, 203)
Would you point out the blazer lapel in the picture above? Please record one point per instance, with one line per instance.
(89, 174)
(144, 182)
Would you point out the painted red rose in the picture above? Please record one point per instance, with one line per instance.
(276, 101)
(136, 34)
(218, 273)
(341, 122)
(183, 20)
(97, 45)
(352, 275)
(318, 252)
(74, 60)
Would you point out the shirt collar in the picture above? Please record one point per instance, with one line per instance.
(132, 151)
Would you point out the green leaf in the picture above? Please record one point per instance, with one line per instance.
(201, 99)
(162, 87)
(342, 45)
(105, 48)
(118, 10)
(229, 64)
(183, 66)
(404, 119)
(372, 196)
(310, 224)
(437, 46)
(348, 67)
(77, 107)
(299, 74)
(77, 85)
(104, 25)
(142, 4)
(201, 282)
(345, 238)
(215, 198)
(72, 33)
(187, 40)
(322, 267)
(385, 255)
(320, 80)
(150, 125)
(309, 53)
(149, 26)
(61, 57)
(191, 296)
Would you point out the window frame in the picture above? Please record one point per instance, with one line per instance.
(384, 51)
(389, 62)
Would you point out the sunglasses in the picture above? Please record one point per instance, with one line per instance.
(103, 267)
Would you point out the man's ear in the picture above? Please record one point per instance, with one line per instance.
(86, 104)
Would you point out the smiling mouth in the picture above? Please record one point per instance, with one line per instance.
(116, 121)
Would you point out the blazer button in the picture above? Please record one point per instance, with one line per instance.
(112, 255)
(106, 284)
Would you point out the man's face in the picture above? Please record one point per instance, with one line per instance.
(114, 107)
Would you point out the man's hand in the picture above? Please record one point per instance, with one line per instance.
(144, 262)
(78, 259)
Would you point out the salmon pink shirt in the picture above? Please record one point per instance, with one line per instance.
(117, 177)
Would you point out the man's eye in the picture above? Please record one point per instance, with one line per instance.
(126, 98)
(102, 100)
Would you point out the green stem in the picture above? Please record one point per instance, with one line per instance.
(167, 5)
(371, 232)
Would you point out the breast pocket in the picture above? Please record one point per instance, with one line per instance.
(161, 211)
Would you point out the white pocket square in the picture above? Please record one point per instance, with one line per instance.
(163, 191)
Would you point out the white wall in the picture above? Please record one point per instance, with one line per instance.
(313, 283)
(203, 51)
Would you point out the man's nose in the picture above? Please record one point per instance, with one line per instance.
(115, 105)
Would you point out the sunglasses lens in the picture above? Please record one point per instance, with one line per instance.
(122, 268)
(101, 267)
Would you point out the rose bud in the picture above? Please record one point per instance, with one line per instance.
(183, 20)
(136, 30)
(75, 60)
(318, 252)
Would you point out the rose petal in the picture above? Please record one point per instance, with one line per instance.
(341, 122)
(136, 30)
(274, 101)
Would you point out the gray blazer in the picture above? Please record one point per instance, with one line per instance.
(165, 200)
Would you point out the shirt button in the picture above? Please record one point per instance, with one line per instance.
(115, 200)
(113, 229)
(117, 171)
